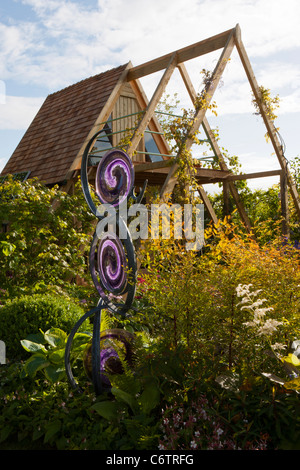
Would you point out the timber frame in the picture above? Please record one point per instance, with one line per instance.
(225, 41)
(77, 115)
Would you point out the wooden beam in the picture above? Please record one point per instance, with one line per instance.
(200, 113)
(152, 166)
(208, 204)
(268, 122)
(284, 205)
(154, 124)
(182, 55)
(225, 177)
(151, 106)
(260, 174)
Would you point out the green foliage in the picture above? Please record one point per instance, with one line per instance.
(48, 352)
(47, 236)
(207, 326)
(30, 313)
(195, 301)
(268, 103)
(36, 414)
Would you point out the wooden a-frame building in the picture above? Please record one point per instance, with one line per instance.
(108, 104)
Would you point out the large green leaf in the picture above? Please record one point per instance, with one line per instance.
(32, 347)
(125, 397)
(52, 429)
(56, 337)
(5, 432)
(57, 356)
(37, 337)
(81, 341)
(54, 373)
(150, 397)
(35, 363)
(107, 409)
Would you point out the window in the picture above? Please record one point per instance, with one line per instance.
(152, 152)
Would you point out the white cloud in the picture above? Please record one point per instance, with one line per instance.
(18, 112)
(67, 40)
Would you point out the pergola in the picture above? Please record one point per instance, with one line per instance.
(164, 171)
(75, 119)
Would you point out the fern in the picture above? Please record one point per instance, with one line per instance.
(107, 320)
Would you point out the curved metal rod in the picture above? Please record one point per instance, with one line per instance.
(138, 198)
(96, 354)
(68, 368)
(84, 177)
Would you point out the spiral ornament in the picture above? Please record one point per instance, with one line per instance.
(113, 269)
(112, 264)
(114, 178)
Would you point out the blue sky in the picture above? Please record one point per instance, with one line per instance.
(47, 45)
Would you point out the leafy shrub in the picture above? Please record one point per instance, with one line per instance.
(28, 314)
(194, 299)
(48, 353)
(48, 235)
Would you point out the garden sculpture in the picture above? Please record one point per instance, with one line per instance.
(112, 262)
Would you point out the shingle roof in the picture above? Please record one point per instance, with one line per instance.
(56, 134)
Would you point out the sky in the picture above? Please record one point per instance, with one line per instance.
(48, 45)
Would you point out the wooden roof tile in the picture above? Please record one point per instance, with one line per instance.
(56, 134)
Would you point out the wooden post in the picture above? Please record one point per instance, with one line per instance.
(284, 204)
(226, 200)
(268, 122)
(208, 205)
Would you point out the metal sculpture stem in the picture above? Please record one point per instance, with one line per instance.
(112, 260)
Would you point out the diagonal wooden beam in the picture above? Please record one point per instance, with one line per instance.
(187, 53)
(268, 122)
(154, 124)
(215, 147)
(200, 113)
(208, 204)
(152, 105)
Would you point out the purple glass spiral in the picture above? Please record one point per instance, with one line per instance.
(114, 177)
(111, 260)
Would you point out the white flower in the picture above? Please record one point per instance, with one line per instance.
(193, 445)
(269, 327)
(278, 346)
(242, 290)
